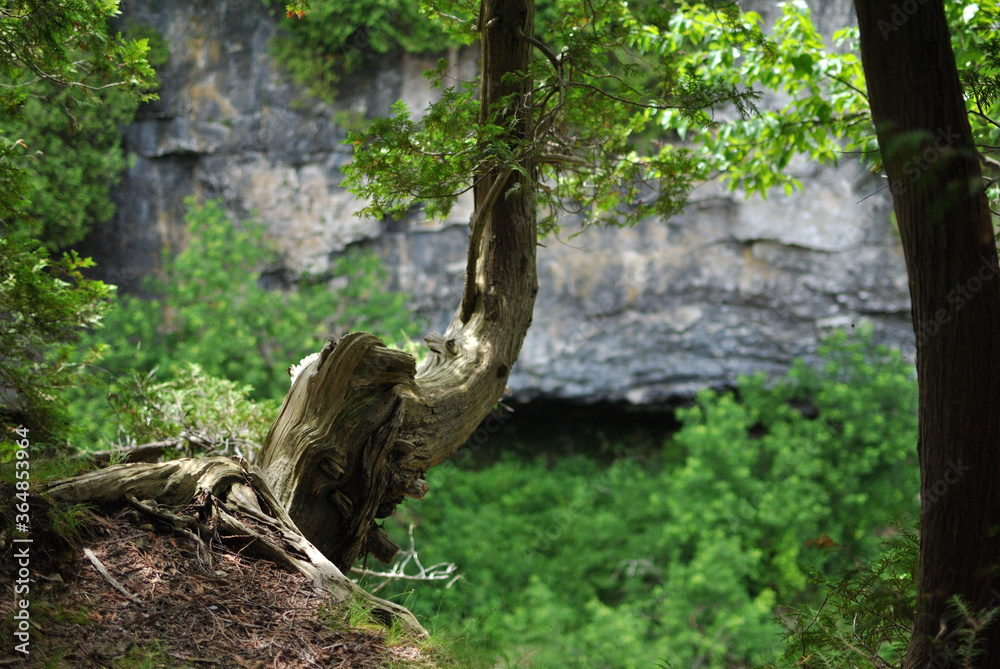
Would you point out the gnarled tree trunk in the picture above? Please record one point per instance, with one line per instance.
(361, 424)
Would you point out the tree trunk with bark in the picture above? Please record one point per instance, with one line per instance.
(358, 430)
(361, 423)
(947, 235)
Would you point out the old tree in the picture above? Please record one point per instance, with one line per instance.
(362, 422)
(570, 128)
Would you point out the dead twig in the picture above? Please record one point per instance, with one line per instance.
(108, 577)
(438, 572)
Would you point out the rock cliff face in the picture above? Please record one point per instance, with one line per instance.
(731, 286)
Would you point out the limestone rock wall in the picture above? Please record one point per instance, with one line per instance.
(731, 286)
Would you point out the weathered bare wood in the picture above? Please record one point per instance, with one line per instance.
(329, 455)
(154, 450)
(234, 500)
(457, 388)
(102, 570)
(360, 425)
(175, 482)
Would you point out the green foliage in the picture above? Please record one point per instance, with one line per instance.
(334, 37)
(866, 618)
(636, 102)
(826, 114)
(71, 157)
(573, 564)
(595, 110)
(827, 106)
(68, 43)
(159, 49)
(65, 84)
(44, 304)
(422, 155)
(859, 447)
(42, 470)
(68, 85)
(148, 655)
(73, 522)
(213, 311)
(207, 415)
(14, 180)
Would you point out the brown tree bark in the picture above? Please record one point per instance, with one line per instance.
(947, 234)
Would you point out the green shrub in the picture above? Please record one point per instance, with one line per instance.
(684, 561)
(66, 84)
(825, 454)
(865, 617)
(44, 306)
(61, 131)
(205, 414)
(72, 157)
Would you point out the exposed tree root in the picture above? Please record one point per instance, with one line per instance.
(361, 423)
(217, 499)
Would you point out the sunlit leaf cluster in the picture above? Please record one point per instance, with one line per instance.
(594, 149)
(815, 106)
(430, 158)
(634, 103)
